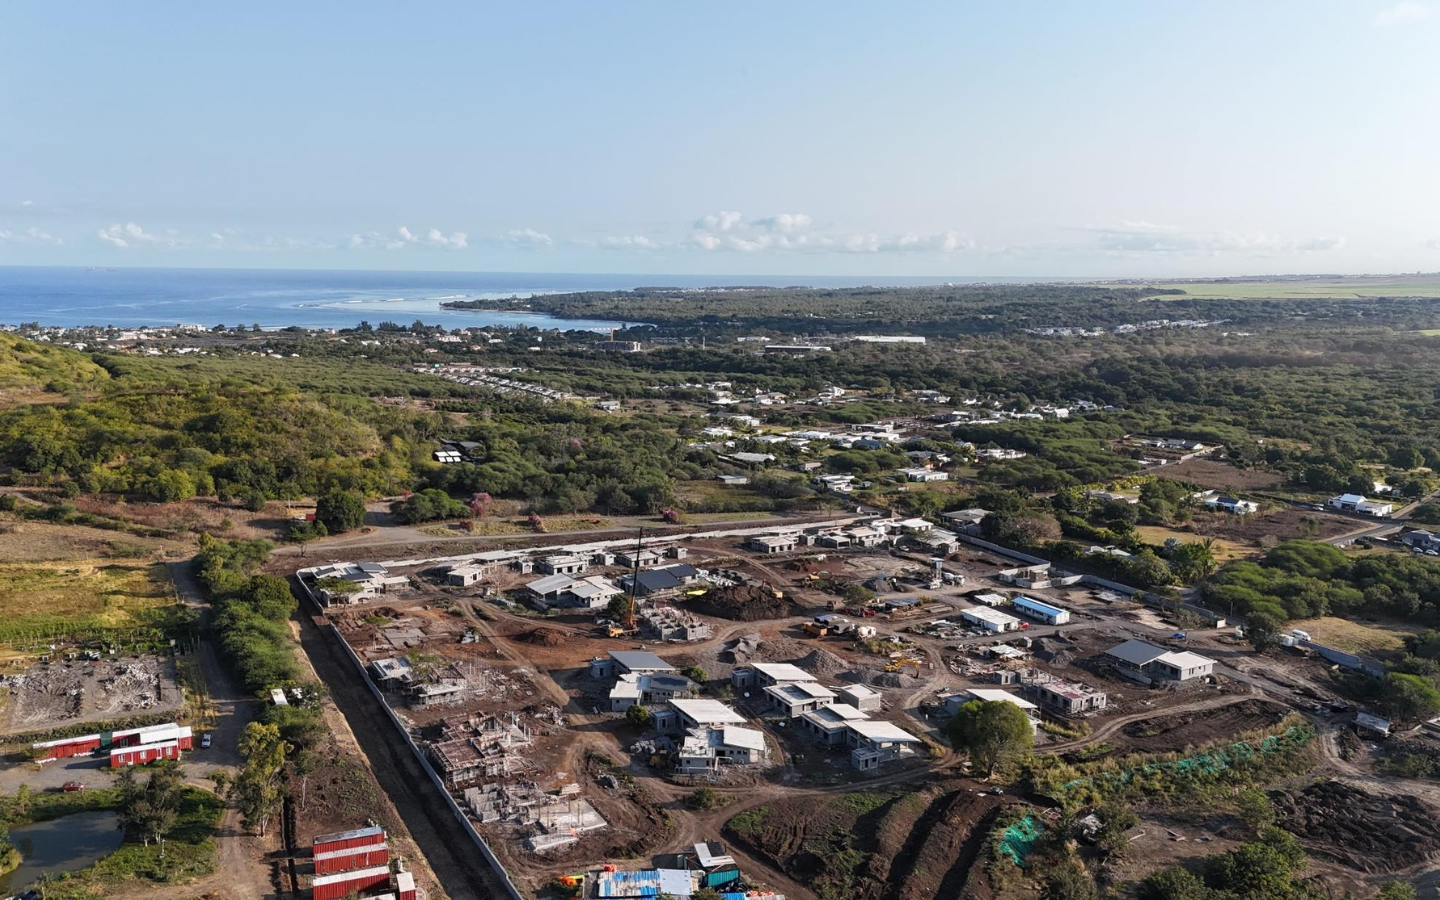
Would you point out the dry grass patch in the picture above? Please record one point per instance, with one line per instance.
(1224, 550)
(81, 593)
(1355, 637)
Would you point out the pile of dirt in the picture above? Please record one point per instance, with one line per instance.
(823, 663)
(544, 637)
(886, 679)
(1367, 832)
(743, 603)
(741, 649)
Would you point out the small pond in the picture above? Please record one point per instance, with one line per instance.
(66, 844)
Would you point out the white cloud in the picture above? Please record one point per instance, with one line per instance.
(453, 241)
(796, 232)
(1147, 237)
(31, 235)
(630, 242)
(529, 237)
(721, 221)
(1433, 244)
(27, 202)
(404, 237)
(1401, 13)
(131, 235)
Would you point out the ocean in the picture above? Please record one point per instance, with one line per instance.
(280, 298)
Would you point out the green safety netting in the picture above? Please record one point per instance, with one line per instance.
(1018, 840)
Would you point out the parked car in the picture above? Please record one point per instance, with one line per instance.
(70, 787)
(205, 741)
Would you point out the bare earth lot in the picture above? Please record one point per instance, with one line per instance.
(49, 695)
(1209, 473)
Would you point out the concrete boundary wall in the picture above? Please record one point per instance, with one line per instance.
(511, 890)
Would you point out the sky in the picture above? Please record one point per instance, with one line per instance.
(1116, 139)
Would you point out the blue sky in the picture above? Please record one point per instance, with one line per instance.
(947, 138)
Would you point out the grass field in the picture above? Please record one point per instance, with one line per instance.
(81, 593)
(1342, 288)
(1354, 637)
(1225, 550)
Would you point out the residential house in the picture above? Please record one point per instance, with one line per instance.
(763, 675)
(1159, 663)
(644, 690)
(799, 697)
(562, 564)
(1358, 504)
(772, 543)
(699, 713)
(465, 576)
(661, 580)
(924, 475)
(704, 750)
(1064, 697)
(1422, 541)
(875, 742)
(1232, 505)
(830, 723)
(859, 696)
(966, 521)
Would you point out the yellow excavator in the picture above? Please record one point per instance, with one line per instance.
(904, 663)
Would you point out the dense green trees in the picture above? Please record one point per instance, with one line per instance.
(429, 505)
(990, 732)
(251, 612)
(1300, 579)
(340, 511)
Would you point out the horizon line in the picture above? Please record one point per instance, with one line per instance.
(759, 279)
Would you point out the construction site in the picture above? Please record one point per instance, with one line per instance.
(567, 698)
(88, 688)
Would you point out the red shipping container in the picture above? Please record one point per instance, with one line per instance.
(334, 887)
(348, 840)
(348, 859)
(147, 753)
(64, 749)
(405, 884)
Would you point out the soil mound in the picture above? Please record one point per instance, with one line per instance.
(544, 637)
(1367, 832)
(742, 603)
(823, 663)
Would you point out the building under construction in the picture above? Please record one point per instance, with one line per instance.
(476, 748)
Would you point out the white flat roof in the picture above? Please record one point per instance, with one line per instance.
(839, 712)
(995, 695)
(748, 738)
(858, 691)
(551, 583)
(708, 712)
(782, 672)
(993, 616)
(800, 692)
(883, 731)
(1184, 659)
